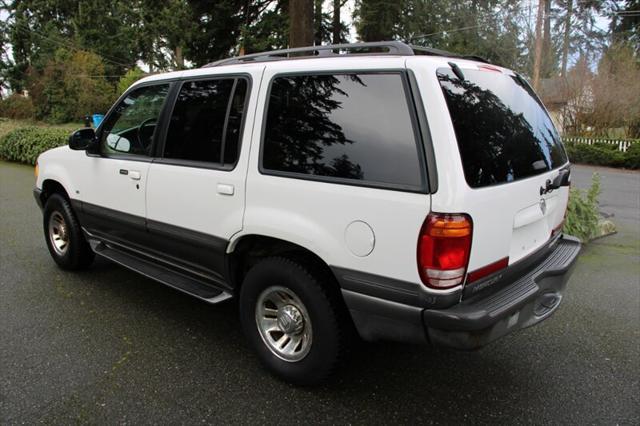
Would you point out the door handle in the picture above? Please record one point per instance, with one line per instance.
(225, 189)
(134, 174)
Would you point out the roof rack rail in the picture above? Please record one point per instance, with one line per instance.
(422, 50)
(374, 48)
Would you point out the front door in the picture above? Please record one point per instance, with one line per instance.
(113, 194)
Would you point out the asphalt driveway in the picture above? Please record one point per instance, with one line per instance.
(108, 346)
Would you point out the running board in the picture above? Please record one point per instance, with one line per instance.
(163, 275)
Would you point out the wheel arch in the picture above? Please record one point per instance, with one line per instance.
(52, 186)
(246, 250)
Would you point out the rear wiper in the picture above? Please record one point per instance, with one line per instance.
(522, 81)
(457, 71)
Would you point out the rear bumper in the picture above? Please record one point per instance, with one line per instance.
(529, 299)
(526, 302)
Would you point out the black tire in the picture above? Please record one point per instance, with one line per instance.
(77, 254)
(325, 311)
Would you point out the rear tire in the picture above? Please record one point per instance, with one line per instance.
(63, 235)
(292, 320)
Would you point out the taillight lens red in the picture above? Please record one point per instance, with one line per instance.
(443, 249)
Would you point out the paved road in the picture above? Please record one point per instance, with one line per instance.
(620, 194)
(107, 346)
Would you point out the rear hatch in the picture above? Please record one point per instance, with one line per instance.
(511, 154)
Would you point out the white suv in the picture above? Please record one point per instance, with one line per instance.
(398, 192)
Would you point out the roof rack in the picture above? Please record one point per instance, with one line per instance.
(421, 50)
(370, 48)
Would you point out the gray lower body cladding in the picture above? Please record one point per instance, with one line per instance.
(475, 321)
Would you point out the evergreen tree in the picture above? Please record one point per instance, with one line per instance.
(378, 20)
(267, 27)
(625, 23)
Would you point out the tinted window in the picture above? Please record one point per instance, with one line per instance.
(206, 120)
(130, 128)
(234, 125)
(503, 132)
(352, 126)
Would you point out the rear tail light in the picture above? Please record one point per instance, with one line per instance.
(444, 246)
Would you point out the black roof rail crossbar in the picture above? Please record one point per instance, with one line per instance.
(392, 48)
(421, 50)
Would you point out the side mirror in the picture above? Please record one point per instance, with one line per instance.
(82, 139)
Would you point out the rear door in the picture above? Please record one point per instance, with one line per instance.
(195, 193)
(338, 168)
(508, 149)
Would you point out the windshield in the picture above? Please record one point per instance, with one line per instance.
(503, 132)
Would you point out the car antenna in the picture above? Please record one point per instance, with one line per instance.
(457, 71)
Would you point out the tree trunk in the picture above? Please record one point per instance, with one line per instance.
(538, 46)
(245, 29)
(547, 24)
(547, 53)
(300, 23)
(317, 21)
(567, 34)
(337, 22)
(179, 57)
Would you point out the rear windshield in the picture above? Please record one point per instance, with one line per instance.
(503, 132)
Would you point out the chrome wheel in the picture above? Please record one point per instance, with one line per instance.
(284, 324)
(58, 233)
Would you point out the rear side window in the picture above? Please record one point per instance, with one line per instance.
(345, 126)
(206, 121)
(503, 132)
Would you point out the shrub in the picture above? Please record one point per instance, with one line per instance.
(26, 143)
(133, 75)
(599, 154)
(17, 107)
(70, 86)
(602, 154)
(632, 156)
(582, 211)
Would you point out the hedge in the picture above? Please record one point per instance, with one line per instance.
(632, 156)
(26, 143)
(602, 154)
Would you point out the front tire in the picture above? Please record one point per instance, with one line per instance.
(292, 320)
(63, 235)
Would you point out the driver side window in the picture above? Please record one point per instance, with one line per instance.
(129, 129)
